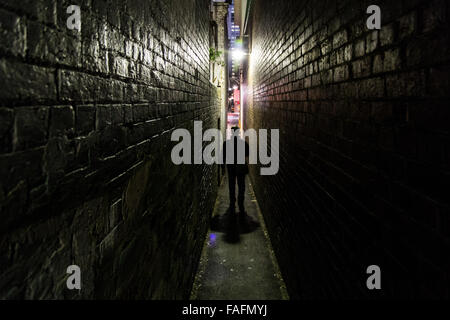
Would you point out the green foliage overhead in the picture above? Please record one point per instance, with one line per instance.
(214, 55)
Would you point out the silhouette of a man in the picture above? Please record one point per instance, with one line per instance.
(235, 157)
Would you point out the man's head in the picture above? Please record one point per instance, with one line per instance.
(235, 131)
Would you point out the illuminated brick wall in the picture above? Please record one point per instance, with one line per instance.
(364, 144)
(86, 176)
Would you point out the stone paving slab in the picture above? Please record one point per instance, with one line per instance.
(237, 261)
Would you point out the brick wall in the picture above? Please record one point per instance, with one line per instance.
(85, 171)
(364, 144)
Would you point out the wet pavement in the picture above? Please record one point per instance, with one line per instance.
(238, 262)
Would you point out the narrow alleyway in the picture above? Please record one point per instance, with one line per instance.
(112, 116)
(237, 260)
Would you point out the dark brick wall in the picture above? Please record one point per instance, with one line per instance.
(364, 144)
(85, 171)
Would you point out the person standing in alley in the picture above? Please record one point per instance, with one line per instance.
(235, 153)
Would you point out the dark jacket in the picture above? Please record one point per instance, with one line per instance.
(234, 167)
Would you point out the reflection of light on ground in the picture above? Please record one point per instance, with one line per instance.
(212, 240)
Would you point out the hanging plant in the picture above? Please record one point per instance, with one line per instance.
(214, 55)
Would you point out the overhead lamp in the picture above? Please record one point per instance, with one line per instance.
(238, 54)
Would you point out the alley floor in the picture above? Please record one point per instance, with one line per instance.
(237, 260)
